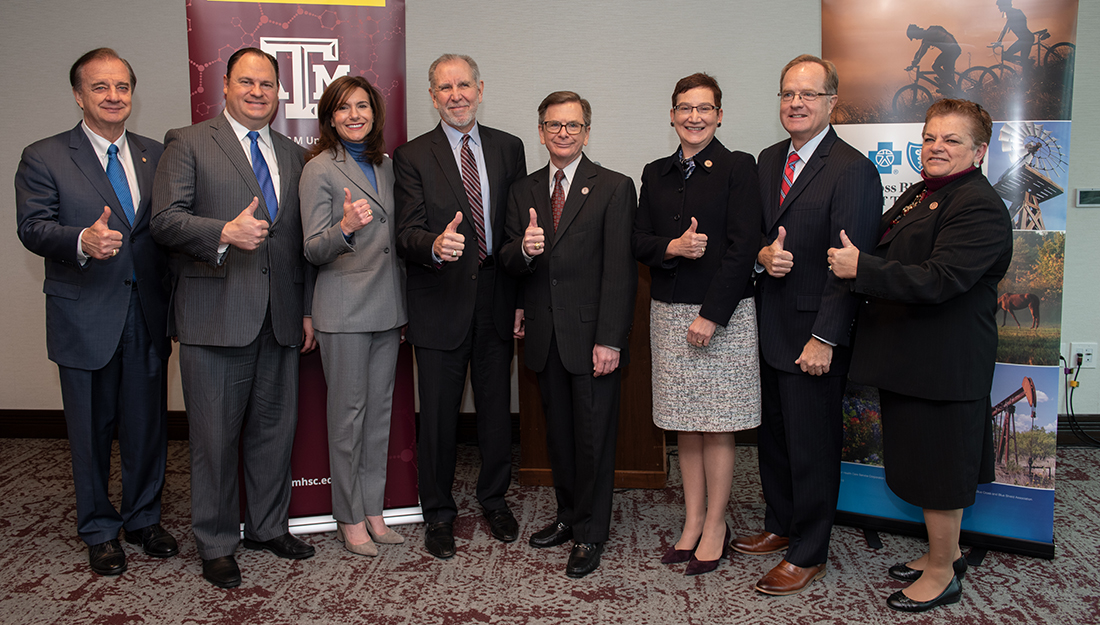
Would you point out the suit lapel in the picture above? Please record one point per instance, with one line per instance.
(86, 159)
(145, 171)
(350, 168)
(584, 179)
(441, 149)
(223, 135)
(494, 166)
(540, 201)
(286, 178)
(771, 173)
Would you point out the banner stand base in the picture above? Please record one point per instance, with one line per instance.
(975, 540)
(326, 523)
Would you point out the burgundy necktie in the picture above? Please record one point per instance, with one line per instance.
(557, 199)
(788, 176)
(472, 182)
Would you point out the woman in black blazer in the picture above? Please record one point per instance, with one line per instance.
(927, 338)
(698, 229)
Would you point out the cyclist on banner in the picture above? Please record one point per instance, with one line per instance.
(944, 65)
(1016, 21)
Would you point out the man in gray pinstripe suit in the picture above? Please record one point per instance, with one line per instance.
(238, 301)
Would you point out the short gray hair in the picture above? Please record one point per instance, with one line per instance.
(447, 58)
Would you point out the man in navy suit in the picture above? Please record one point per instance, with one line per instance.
(813, 185)
(451, 188)
(82, 202)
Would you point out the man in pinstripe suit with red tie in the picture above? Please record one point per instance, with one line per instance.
(814, 185)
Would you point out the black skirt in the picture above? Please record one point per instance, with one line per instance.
(936, 452)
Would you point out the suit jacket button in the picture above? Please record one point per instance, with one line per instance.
(383, 219)
(264, 271)
(554, 282)
(128, 282)
(271, 234)
(675, 218)
(386, 251)
(473, 276)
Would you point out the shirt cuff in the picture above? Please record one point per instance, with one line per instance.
(829, 343)
(81, 257)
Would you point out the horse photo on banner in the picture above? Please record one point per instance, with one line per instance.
(315, 44)
(1015, 58)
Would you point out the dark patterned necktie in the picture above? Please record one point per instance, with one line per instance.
(557, 199)
(472, 182)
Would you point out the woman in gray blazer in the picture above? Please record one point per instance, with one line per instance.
(346, 194)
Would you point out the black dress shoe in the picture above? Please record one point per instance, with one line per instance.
(503, 525)
(222, 572)
(107, 558)
(906, 574)
(584, 559)
(552, 535)
(439, 540)
(285, 546)
(155, 540)
(951, 594)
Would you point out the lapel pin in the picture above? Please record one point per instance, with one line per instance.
(708, 163)
(933, 206)
(584, 191)
(143, 159)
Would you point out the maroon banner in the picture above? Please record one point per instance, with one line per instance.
(315, 44)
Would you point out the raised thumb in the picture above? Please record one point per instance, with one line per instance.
(693, 226)
(782, 235)
(453, 226)
(844, 240)
(534, 218)
(105, 216)
(250, 210)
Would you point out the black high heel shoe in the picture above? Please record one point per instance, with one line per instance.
(698, 567)
(951, 594)
(903, 573)
(676, 556)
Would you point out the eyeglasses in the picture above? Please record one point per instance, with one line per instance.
(686, 109)
(807, 96)
(573, 128)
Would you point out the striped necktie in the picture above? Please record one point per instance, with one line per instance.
(788, 176)
(472, 182)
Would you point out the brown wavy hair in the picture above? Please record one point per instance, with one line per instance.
(336, 94)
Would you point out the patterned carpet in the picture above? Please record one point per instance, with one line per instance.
(46, 579)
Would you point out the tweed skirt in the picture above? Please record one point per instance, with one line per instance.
(704, 389)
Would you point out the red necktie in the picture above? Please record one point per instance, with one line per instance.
(557, 200)
(788, 176)
(472, 182)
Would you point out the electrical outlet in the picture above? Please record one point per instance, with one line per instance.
(1087, 352)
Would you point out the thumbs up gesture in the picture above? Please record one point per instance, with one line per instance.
(776, 260)
(98, 240)
(356, 214)
(844, 260)
(691, 244)
(534, 243)
(449, 245)
(245, 231)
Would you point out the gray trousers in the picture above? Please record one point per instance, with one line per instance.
(360, 369)
(247, 398)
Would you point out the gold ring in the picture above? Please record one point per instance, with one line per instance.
(454, 253)
(114, 252)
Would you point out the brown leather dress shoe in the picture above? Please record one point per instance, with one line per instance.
(760, 544)
(788, 579)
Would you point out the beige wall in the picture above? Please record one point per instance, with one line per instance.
(622, 56)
